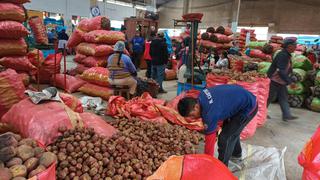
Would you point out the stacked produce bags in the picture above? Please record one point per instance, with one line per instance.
(241, 37)
(13, 47)
(313, 101)
(276, 42)
(218, 39)
(93, 42)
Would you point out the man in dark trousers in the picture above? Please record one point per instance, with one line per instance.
(159, 55)
(137, 49)
(278, 73)
(231, 105)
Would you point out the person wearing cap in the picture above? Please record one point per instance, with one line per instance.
(278, 73)
(122, 70)
(160, 56)
(230, 105)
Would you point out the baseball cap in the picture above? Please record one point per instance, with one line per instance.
(160, 34)
(289, 41)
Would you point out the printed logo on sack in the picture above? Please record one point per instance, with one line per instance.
(209, 96)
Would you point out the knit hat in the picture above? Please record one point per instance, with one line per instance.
(119, 47)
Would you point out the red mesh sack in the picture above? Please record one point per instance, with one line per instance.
(72, 83)
(193, 166)
(276, 38)
(38, 29)
(43, 120)
(309, 158)
(18, 63)
(86, 49)
(213, 80)
(47, 68)
(16, 1)
(193, 16)
(224, 30)
(13, 12)
(227, 45)
(72, 102)
(81, 68)
(170, 74)
(256, 53)
(79, 57)
(11, 90)
(100, 126)
(25, 79)
(96, 75)
(75, 38)
(93, 61)
(264, 84)
(220, 38)
(99, 23)
(84, 25)
(209, 44)
(96, 91)
(103, 50)
(104, 37)
(12, 30)
(13, 47)
(33, 57)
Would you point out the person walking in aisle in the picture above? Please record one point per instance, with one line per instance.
(231, 105)
(137, 49)
(160, 56)
(122, 70)
(278, 73)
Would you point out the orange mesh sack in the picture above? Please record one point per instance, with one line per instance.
(75, 38)
(193, 166)
(39, 30)
(13, 47)
(12, 30)
(104, 37)
(11, 90)
(93, 61)
(13, 12)
(96, 75)
(86, 49)
(96, 91)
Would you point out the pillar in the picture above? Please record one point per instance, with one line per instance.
(235, 14)
(185, 6)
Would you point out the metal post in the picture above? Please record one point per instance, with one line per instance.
(185, 7)
(55, 62)
(38, 73)
(235, 14)
(65, 66)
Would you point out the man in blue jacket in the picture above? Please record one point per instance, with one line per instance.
(137, 49)
(232, 105)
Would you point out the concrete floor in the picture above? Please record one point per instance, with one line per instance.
(275, 133)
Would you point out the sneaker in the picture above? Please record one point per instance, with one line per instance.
(237, 163)
(162, 91)
(290, 118)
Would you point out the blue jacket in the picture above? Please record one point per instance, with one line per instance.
(223, 102)
(138, 44)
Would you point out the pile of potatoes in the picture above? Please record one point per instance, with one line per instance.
(22, 158)
(135, 152)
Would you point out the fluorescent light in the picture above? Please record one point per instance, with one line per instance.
(119, 3)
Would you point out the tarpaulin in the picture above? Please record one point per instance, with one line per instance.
(13, 12)
(18, 63)
(13, 47)
(96, 75)
(147, 108)
(193, 166)
(72, 102)
(42, 121)
(309, 158)
(75, 38)
(39, 30)
(11, 90)
(96, 91)
(72, 83)
(12, 30)
(104, 37)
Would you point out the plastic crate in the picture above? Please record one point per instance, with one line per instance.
(187, 86)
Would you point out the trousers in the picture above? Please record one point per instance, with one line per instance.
(158, 74)
(129, 81)
(281, 92)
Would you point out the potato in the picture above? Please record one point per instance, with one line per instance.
(38, 151)
(47, 159)
(29, 142)
(14, 161)
(85, 177)
(25, 152)
(7, 153)
(5, 174)
(31, 164)
(18, 170)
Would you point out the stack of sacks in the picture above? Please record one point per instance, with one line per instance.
(301, 49)
(39, 30)
(97, 83)
(260, 50)
(93, 42)
(219, 39)
(13, 48)
(241, 37)
(276, 42)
